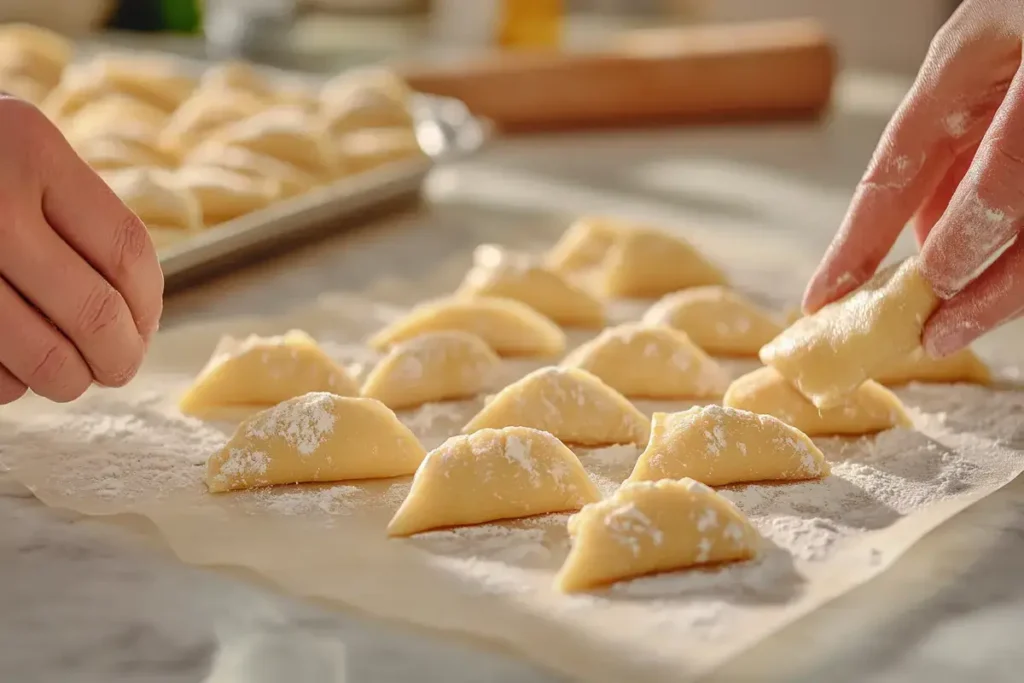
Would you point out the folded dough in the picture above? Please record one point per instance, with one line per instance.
(871, 408)
(205, 113)
(365, 98)
(585, 244)
(115, 151)
(499, 272)
(156, 198)
(292, 179)
(717, 319)
(646, 262)
(116, 115)
(364, 150)
(718, 446)
(436, 366)
(490, 475)
(962, 366)
(284, 132)
(224, 194)
(236, 76)
(574, 405)
(642, 361)
(652, 527)
(509, 327)
(34, 52)
(23, 87)
(315, 437)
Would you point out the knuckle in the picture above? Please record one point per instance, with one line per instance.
(131, 242)
(101, 310)
(51, 375)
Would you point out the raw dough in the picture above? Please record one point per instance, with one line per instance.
(717, 319)
(651, 527)
(436, 366)
(364, 150)
(871, 408)
(719, 446)
(292, 179)
(490, 475)
(236, 77)
(498, 272)
(962, 366)
(205, 113)
(570, 403)
(315, 437)
(829, 354)
(642, 361)
(283, 132)
(116, 115)
(509, 327)
(224, 194)
(23, 87)
(646, 262)
(584, 245)
(156, 199)
(365, 98)
(34, 52)
(113, 152)
(262, 371)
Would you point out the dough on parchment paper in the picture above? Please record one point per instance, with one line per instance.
(871, 408)
(572, 404)
(584, 244)
(257, 372)
(643, 361)
(35, 52)
(284, 132)
(224, 194)
(509, 327)
(962, 366)
(490, 475)
(436, 366)
(316, 437)
(651, 527)
(171, 213)
(717, 319)
(646, 262)
(718, 446)
(205, 113)
(829, 354)
(293, 180)
(499, 272)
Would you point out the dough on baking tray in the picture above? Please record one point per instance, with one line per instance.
(717, 319)
(584, 245)
(283, 132)
(34, 52)
(871, 408)
(224, 194)
(116, 115)
(436, 366)
(292, 179)
(642, 361)
(570, 403)
(114, 151)
(499, 272)
(490, 475)
(718, 446)
(364, 150)
(168, 210)
(649, 527)
(204, 113)
(829, 354)
(263, 371)
(23, 87)
(509, 327)
(315, 437)
(365, 98)
(962, 366)
(647, 262)
(236, 76)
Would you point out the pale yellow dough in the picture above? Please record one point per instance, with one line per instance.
(829, 354)
(156, 199)
(570, 403)
(652, 527)
(316, 437)
(436, 366)
(584, 245)
(365, 98)
(237, 77)
(509, 327)
(364, 150)
(292, 179)
(257, 372)
(718, 446)
(205, 113)
(962, 366)
(645, 262)
(23, 87)
(717, 319)
(112, 152)
(284, 132)
(224, 194)
(643, 361)
(871, 408)
(499, 272)
(35, 52)
(118, 116)
(490, 475)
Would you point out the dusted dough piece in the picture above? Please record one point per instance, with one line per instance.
(497, 272)
(829, 354)
(262, 371)
(236, 77)
(651, 527)
(292, 179)
(205, 113)
(570, 403)
(642, 361)
(23, 87)
(225, 194)
(717, 319)
(490, 475)
(114, 152)
(584, 245)
(509, 327)
(365, 98)
(436, 366)
(644, 262)
(962, 366)
(34, 52)
(118, 116)
(283, 132)
(157, 200)
(871, 408)
(718, 446)
(315, 437)
(365, 150)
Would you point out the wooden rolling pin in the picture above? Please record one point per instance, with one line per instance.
(767, 70)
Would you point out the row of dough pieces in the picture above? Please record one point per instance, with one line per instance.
(185, 153)
(576, 404)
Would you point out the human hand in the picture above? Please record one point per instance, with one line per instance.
(952, 158)
(80, 285)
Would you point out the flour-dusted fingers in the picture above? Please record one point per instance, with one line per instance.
(11, 388)
(36, 353)
(931, 211)
(59, 283)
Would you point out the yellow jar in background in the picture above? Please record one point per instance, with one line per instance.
(531, 23)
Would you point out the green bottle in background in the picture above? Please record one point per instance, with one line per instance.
(178, 16)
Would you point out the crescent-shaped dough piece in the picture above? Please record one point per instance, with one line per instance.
(116, 115)
(718, 446)
(38, 53)
(263, 371)
(570, 403)
(871, 408)
(509, 327)
(437, 366)
(155, 197)
(829, 354)
(498, 272)
(292, 179)
(224, 195)
(584, 244)
(717, 319)
(364, 108)
(649, 527)
(645, 262)
(205, 113)
(236, 76)
(315, 437)
(23, 87)
(283, 132)
(963, 366)
(116, 151)
(490, 475)
(642, 361)
(364, 150)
